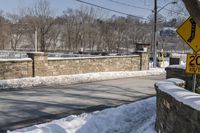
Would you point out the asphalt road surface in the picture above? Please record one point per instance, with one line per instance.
(28, 106)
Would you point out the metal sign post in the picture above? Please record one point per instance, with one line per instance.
(194, 79)
(194, 82)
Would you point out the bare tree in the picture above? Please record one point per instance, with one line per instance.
(17, 29)
(81, 28)
(109, 36)
(40, 17)
(193, 7)
(70, 23)
(4, 31)
(53, 37)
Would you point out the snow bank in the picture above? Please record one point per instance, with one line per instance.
(20, 59)
(91, 57)
(184, 96)
(78, 78)
(177, 66)
(138, 117)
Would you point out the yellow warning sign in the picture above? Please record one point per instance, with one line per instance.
(193, 64)
(190, 33)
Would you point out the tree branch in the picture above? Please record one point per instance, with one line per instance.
(193, 7)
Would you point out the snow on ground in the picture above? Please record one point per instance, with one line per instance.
(166, 64)
(137, 117)
(17, 59)
(77, 78)
(182, 66)
(90, 57)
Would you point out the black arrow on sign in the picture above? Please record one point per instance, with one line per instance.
(193, 30)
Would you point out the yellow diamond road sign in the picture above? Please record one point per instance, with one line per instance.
(190, 33)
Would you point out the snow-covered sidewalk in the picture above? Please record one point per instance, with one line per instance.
(77, 78)
(137, 117)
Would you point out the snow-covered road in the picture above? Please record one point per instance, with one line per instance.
(137, 117)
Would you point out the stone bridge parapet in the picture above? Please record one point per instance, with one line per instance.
(38, 64)
(178, 110)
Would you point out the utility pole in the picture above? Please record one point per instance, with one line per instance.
(155, 11)
(36, 40)
(154, 35)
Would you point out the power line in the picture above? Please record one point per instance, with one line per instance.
(125, 4)
(108, 9)
(173, 11)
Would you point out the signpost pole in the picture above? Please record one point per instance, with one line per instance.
(36, 39)
(194, 77)
(194, 82)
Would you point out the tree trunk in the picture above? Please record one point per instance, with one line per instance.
(42, 43)
(193, 8)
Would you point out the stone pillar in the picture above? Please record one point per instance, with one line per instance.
(143, 50)
(40, 63)
(144, 60)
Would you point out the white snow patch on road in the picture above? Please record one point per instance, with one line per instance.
(137, 117)
(77, 78)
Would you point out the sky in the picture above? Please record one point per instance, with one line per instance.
(61, 5)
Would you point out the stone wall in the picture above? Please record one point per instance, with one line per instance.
(38, 64)
(178, 71)
(17, 68)
(97, 64)
(178, 110)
